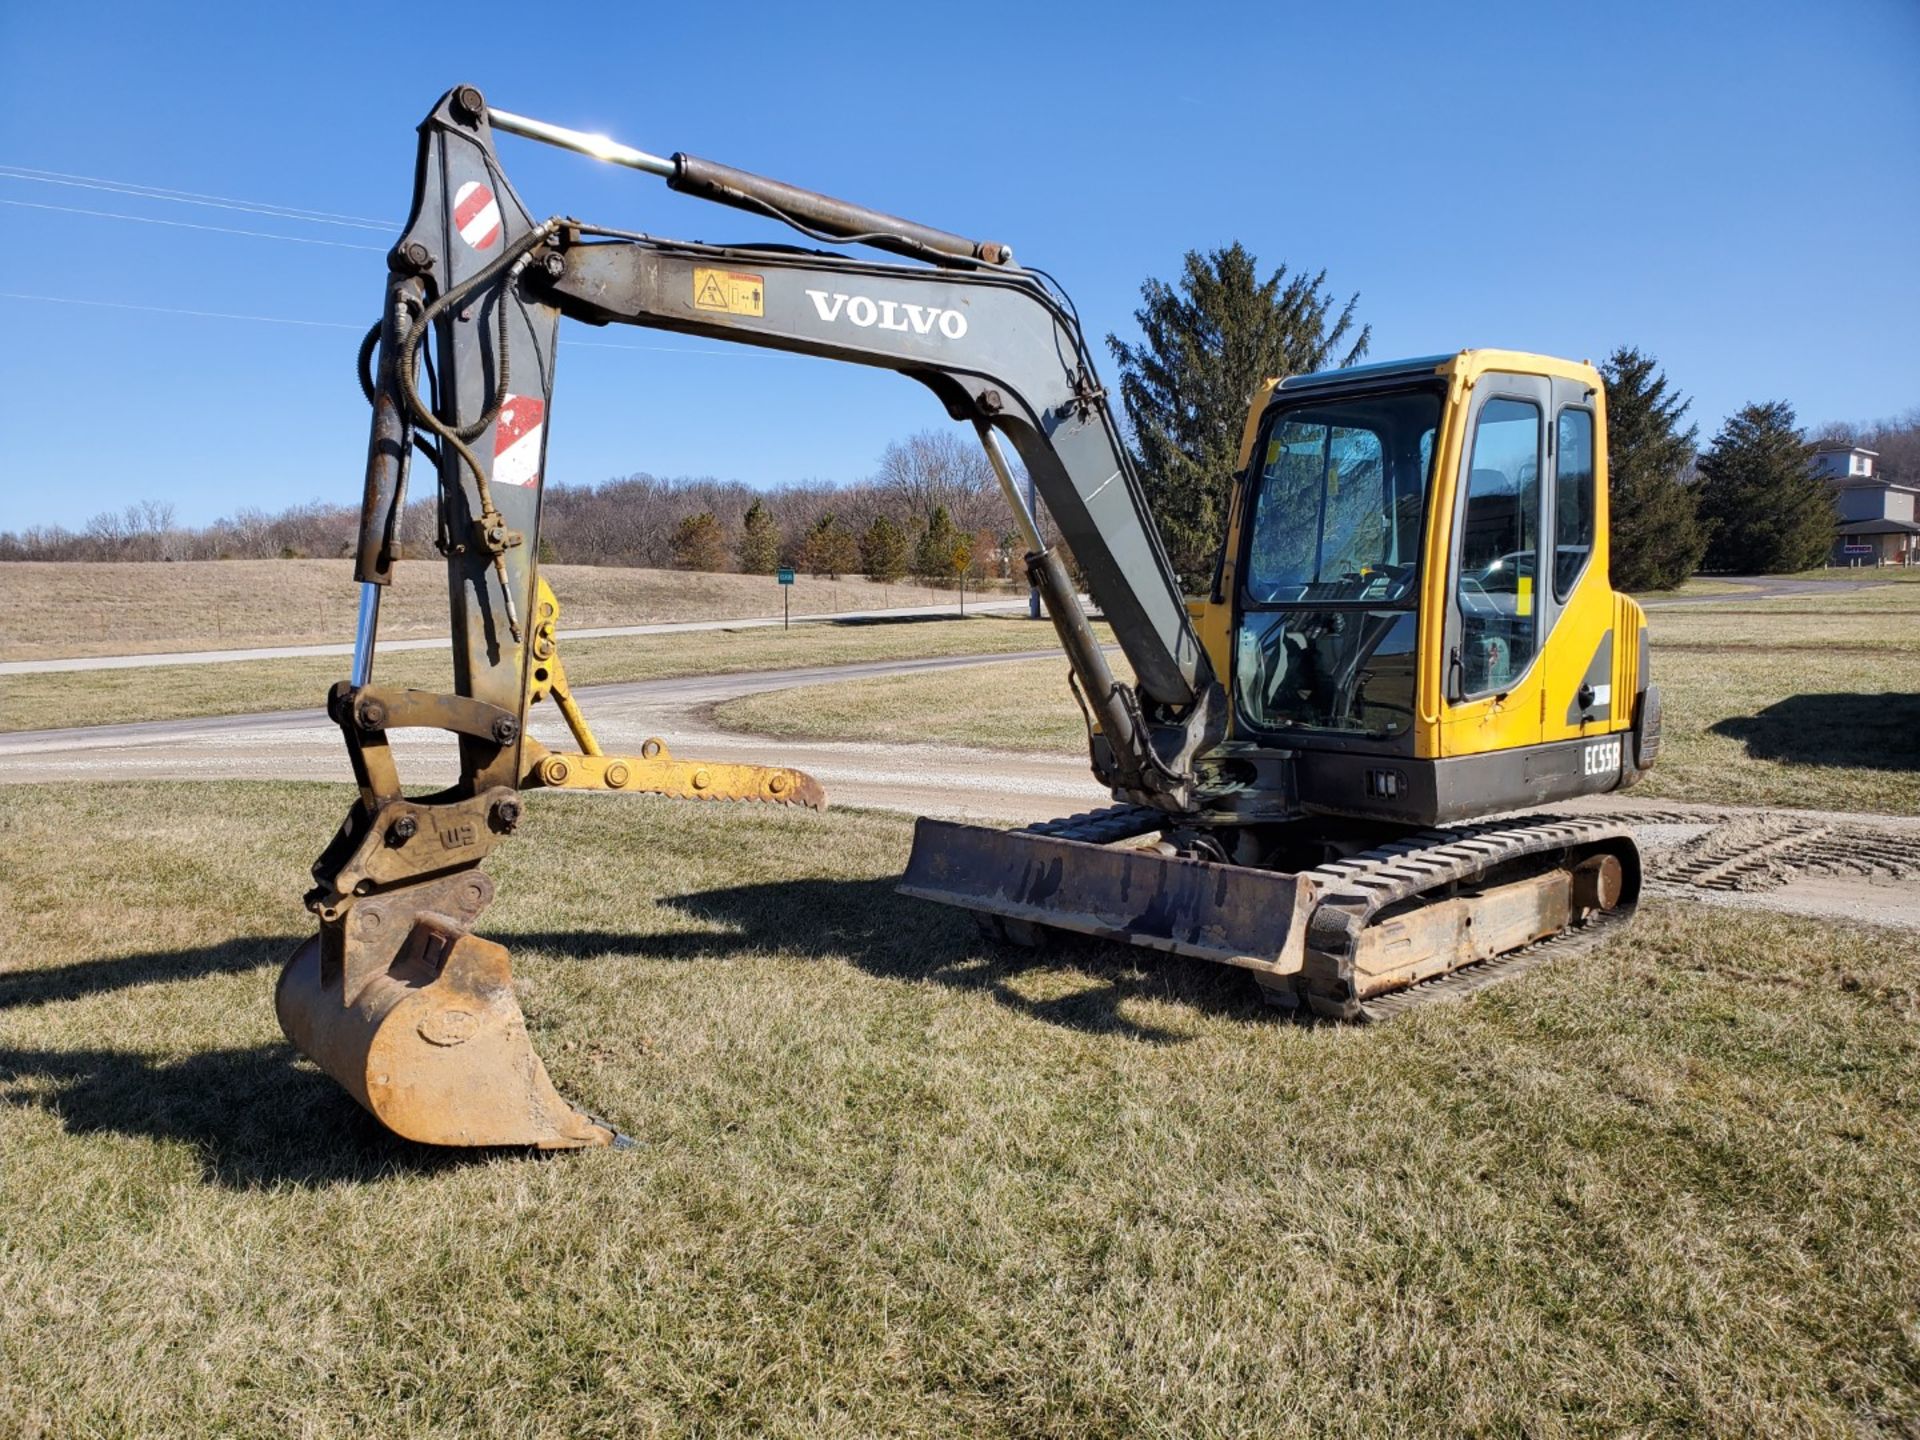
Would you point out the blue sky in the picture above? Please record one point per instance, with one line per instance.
(1731, 186)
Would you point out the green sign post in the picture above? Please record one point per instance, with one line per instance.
(786, 589)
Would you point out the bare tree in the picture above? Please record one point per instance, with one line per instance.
(941, 468)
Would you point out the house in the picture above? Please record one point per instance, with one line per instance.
(1877, 519)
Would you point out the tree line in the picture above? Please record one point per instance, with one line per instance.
(932, 510)
(1748, 503)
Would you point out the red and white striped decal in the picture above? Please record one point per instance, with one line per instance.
(476, 214)
(516, 441)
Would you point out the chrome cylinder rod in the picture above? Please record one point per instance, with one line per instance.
(1016, 502)
(600, 147)
(364, 631)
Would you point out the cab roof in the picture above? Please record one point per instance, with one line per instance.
(1463, 362)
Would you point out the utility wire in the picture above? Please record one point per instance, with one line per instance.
(194, 225)
(740, 352)
(191, 197)
(174, 310)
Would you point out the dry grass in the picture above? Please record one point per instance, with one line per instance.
(102, 697)
(1022, 705)
(1864, 574)
(1692, 587)
(59, 609)
(891, 1182)
(1805, 702)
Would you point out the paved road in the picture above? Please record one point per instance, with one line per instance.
(942, 780)
(441, 642)
(1764, 587)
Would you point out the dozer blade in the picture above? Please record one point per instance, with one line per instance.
(1229, 914)
(433, 1042)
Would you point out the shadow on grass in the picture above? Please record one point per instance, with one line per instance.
(254, 1116)
(896, 937)
(258, 1116)
(1867, 732)
(94, 977)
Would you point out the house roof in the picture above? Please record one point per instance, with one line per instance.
(1869, 482)
(1838, 447)
(1877, 527)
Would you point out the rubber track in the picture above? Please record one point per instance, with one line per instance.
(1354, 890)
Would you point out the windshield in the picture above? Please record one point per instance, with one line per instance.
(1342, 492)
(1336, 522)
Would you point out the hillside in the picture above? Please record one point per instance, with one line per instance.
(59, 608)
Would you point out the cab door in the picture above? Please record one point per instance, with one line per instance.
(1498, 609)
(1578, 663)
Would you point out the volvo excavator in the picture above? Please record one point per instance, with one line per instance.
(1327, 770)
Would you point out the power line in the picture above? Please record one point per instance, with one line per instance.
(742, 352)
(194, 225)
(174, 310)
(190, 197)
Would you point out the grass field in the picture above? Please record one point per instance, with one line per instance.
(1864, 574)
(1804, 702)
(59, 609)
(890, 1182)
(1697, 586)
(103, 697)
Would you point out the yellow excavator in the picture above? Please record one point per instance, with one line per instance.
(1327, 771)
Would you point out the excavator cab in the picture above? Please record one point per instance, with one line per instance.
(1412, 597)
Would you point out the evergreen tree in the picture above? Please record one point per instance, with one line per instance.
(1770, 514)
(829, 548)
(1657, 537)
(1205, 347)
(883, 551)
(699, 543)
(759, 547)
(940, 540)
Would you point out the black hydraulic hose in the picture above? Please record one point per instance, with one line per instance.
(509, 264)
(363, 364)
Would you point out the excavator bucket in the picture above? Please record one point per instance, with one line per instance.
(431, 1040)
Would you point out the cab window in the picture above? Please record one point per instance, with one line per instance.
(1499, 546)
(1573, 518)
(1342, 494)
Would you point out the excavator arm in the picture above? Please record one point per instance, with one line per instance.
(995, 344)
(396, 998)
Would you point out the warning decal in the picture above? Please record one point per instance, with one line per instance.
(476, 215)
(516, 441)
(728, 291)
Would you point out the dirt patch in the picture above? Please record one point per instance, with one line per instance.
(1776, 860)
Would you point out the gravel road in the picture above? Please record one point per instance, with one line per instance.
(1842, 866)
